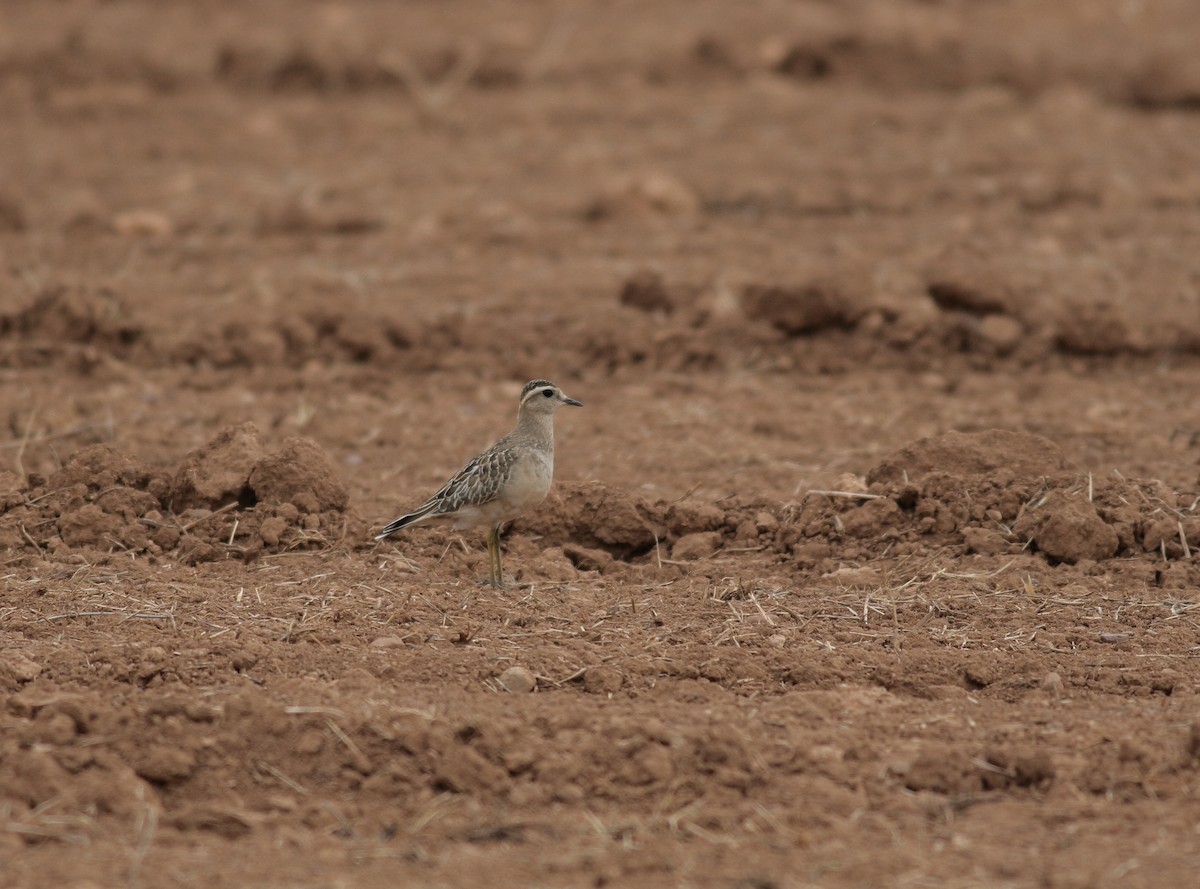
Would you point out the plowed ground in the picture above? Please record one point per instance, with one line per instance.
(872, 556)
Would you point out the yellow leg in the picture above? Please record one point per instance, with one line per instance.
(495, 567)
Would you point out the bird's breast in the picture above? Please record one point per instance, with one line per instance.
(530, 482)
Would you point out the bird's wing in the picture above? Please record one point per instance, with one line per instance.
(475, 484)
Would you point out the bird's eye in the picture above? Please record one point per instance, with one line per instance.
(548, 392)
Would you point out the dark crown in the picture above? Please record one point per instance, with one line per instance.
(534, 384)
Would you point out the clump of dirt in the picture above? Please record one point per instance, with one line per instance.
(61, 320)
(302, 474)
(994, 492)
(295, 215)
(952, 772)
(320, 67)
(647, 292)
(804, 309)
(972, 454)
(228, 499)
(12, 213)
(324, 330)
(1068, 529)
(991, 492)
(650, 195)
(219, 472)
(594, 515)
(1086, 328)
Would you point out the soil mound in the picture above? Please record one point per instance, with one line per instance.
(227, 499)
(1069, 529)
(972, 454)
(330, 327)
(805, 309)
(594, 515)
(302, 474)
(60, 319)
(219, 472)
(992, 493)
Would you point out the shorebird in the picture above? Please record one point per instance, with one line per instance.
(510, 477)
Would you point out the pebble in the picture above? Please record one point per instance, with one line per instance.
(518, 680)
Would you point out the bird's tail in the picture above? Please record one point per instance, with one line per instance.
(403, 522)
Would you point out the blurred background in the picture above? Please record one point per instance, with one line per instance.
(813, 230)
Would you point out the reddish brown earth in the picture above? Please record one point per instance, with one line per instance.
(272, 271)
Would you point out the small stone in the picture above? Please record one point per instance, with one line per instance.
(518, 680)
(1001, 332)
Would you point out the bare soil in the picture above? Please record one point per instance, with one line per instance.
(873, 556)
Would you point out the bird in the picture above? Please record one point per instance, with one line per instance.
(510, 477)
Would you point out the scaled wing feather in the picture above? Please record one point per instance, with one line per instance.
(475, 484)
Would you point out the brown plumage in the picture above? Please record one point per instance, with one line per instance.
(510, 477)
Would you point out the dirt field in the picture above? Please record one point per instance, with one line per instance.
(872, 556)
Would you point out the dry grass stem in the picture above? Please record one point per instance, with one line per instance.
(849, 495)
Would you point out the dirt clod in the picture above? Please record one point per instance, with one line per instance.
(646, 292)
(1069, 529)
(219, 472)
(984, 541)
(601, 680)
(300, 473)
(593, 515)
(800, 310)
(698, 545)
(972, 453)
